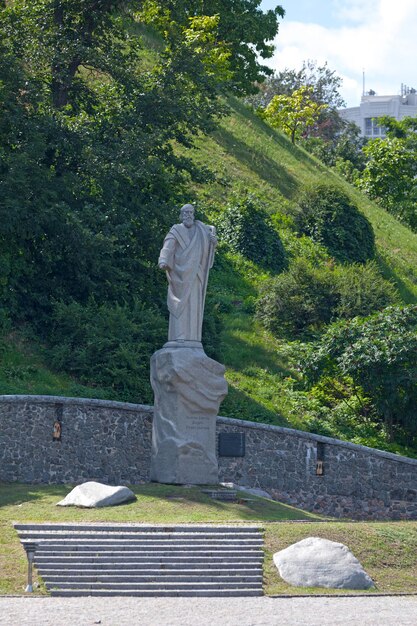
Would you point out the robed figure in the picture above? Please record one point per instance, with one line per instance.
(187, 256)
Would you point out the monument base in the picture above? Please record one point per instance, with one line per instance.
(188, 388)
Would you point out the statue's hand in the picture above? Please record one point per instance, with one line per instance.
(213, 239)
(163, 266)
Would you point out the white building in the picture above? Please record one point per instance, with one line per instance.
(372, 106)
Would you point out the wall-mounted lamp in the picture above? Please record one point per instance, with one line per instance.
(320, 459)
(56, 433)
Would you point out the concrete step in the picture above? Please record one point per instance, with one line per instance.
(121, 559)
(48, 566)
(133, 537)
(150, 550)
(159, 593)
(137, 528)
(156, 577)
(138, 586)
(93, 541)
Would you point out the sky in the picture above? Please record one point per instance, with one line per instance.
(372, 38)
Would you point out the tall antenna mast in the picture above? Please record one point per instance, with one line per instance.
(363, 81)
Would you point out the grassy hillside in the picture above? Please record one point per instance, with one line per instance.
(246, 154)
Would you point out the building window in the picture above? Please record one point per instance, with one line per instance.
(373, 129)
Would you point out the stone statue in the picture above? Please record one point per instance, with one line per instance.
(188, 385)
(187, 256)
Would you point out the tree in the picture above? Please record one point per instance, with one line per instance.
(331, 139)
(89, 177)
(379, 354)
(325, 84)
(389, 176)
(295, 114)
(248, 32)
(245, 31)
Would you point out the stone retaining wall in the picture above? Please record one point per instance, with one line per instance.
(111, 442)
(357, 482)
(100, 440)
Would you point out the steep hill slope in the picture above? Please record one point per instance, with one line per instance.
(246, 154)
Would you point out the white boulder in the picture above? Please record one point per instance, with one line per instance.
(315, 562)
(92, 494)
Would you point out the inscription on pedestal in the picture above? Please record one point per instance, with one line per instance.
(197, 423)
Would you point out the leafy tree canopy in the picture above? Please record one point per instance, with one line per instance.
(378, 353)
(324, 82)
(244, 30)
(389, 176)
(295, 114)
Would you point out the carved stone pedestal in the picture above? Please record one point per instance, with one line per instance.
(188, 388)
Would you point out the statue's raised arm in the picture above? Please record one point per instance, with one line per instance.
(187, 256)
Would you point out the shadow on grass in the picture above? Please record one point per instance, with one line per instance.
(389, 273)
(18, 493)
(246, 507)
(267, 169)
(156, 503)
(241, 355)
(247, 115)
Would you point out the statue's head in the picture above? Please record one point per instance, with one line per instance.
(187, 215)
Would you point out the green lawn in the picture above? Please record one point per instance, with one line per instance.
(386, 550)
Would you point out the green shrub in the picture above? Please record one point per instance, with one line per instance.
(107, 346)
(301, 298)
(246, 226)
(362, 290)
(327, 214)
(306, 296)
(378, 353)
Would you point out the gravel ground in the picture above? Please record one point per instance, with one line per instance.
(116, 611)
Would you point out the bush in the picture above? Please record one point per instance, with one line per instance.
(306, 297)
(379, 354)
(301, 298)
(108, 346)
(246, 227)
(362, 290)
(329, 217)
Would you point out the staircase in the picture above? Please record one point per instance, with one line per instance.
(141, 560)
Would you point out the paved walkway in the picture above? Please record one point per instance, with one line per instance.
(116, 611)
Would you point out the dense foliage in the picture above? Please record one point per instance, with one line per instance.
(247, 228)
(323, 82)
(295, 114)
(390, 172)
(329, 216)
(379, 354)
(89, 178)
(108, 346)
(244, 28)
(307, 296)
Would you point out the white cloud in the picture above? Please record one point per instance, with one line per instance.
(355, 10)
(381, 40)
